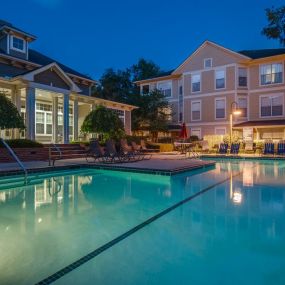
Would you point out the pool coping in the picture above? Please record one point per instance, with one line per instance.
(155, 171)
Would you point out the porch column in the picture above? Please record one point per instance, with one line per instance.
(16, 99)
(55, 119)
(30, 113)
(66, 118)
(75, 119)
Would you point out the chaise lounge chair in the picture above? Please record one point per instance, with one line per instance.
(223, 148)
(268, 148)
(281, 148)
(235, 148)
(95, 151)
(128, 151)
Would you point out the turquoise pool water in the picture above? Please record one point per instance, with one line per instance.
(232, 233)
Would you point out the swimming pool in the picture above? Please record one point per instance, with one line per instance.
(230, 231)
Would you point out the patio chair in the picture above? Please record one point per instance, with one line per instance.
(146, 149)
(137, 148)
(281, 148)
(112, 155)
(268, 148)
(95, 151)
(128, 151)
(234, 148)
(223, 148)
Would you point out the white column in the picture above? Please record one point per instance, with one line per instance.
(30, 113)
(75, 119)
(66, 118)
(55, 119)
(16, 99)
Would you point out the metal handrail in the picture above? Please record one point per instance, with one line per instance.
(17, 159)
(57, 149)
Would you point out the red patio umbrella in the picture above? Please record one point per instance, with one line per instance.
(183, 132)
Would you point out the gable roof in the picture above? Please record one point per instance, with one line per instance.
(30, 75)
(212, 44)
(261, 53)
(4, 24)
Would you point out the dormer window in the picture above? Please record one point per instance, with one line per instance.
(208, 62)
(18, 44)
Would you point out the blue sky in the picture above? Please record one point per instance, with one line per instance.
(91, 36)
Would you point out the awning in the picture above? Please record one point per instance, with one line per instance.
(261, 123)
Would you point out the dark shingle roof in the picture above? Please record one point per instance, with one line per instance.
(39, 58)
(261, 53)
(261, 123)
(9, 25)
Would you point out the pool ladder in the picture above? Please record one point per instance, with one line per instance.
(13, 154)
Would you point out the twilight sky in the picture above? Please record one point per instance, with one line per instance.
(91, 36)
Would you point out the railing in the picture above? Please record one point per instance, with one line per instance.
(17, 159)
(57, 149)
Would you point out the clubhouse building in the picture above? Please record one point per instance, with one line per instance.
(208, 87)
(52, 98)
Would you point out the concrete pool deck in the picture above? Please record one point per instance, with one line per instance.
(167, 164)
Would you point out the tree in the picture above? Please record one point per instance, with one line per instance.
(10, 118)
(144, 69)
(276, 24)
(152, 114)
(115, 85)
(104, 122)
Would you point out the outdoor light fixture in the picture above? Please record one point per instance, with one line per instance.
(236, 112)
(235, 193)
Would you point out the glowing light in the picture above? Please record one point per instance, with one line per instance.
(237, 112)
(237, 197)
(40, 220)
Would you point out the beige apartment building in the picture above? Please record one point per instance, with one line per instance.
(214, 81)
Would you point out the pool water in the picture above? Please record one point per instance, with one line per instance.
(233, 232)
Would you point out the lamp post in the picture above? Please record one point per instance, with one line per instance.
(234, 111)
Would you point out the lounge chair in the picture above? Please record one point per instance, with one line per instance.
(281, 148)
(234, 148)
(137, 148)
(146, 149)
(128, 151)
(95, 151)
(223, 149)
(268, 148)
(112, 155)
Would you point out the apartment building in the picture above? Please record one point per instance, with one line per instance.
(215, 81)
(53, 98)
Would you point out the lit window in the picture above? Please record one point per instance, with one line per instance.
(271, 106)
(196, 82)
(242, 106)
(18, 44)
(220, 79)
(165, 88)
(220, 108)
(271, 73)
(196, 110)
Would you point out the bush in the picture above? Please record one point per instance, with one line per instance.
(21, 143)
(194, 138)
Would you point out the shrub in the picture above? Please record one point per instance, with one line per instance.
(22, 143)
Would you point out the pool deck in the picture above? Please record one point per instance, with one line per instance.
(164, 164)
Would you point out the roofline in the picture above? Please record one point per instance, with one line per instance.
(18, 31)
(157, 78)
(39, 65)
(216, 45)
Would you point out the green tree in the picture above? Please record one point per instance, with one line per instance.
(276, 24)
(144, 69)
(10, 118)
(114, 85)
(152, 114)
(104, 122)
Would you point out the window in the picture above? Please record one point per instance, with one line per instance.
(196, 132)
(220, 79)
(165, 88)
(271, 73)
(17, 44)
(145, 89)
(196, 82)
(220, 108)
(271, 106)
(242, 77)
(220, 131)
(242, 106)
(196, 110)
(208, 62)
